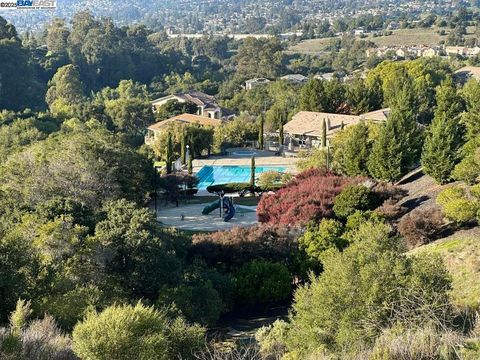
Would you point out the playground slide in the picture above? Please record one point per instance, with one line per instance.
(231, 210)
(209, 208)
(227, 206)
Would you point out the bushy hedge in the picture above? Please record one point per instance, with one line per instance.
(228, 188)
(309, 196)
(461, 204)
(353, 198)
(231, 188)
(262, 282)
(240, 245)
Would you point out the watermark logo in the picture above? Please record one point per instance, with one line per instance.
(29, 4)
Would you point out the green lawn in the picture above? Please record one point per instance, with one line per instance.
(462, 258)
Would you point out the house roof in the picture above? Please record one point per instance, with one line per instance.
(377, 115)
(197, 97)
(294, 77)
(185, 119)
(310, 123)
(257, 80)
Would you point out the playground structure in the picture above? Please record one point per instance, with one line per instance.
(225, 204)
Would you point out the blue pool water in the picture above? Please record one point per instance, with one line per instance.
(210, 175)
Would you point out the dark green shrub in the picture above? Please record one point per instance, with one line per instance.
(262, 282)
(228, 188)
(351, 199)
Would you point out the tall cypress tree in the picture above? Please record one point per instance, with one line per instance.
(169, 153)
(280, 136)
(183, 147)
(312, 96)
(399, 143)
(260, 131)
(444, 138)
(323, 139)
(252, 172)
(356, 151)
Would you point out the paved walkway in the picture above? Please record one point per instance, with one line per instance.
(194, 220)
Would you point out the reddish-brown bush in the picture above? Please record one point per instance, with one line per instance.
(391, 210)
(421, 227)
(392, 193)
(309, 196)
(239, 245)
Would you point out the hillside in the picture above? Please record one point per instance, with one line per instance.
(460, 250)
(400, 37)
(461, 253)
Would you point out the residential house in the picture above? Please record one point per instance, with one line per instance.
(206, 104)
(456, 50)
(401, 53)
(250, 84)
(432, 52)
(473, 51)
(306, 127)
(295, 78)
(154, 130)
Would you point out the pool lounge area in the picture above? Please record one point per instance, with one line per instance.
(222, 174)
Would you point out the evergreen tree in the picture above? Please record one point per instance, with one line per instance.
(183, 145)
(354, 154)
(399, 143)
(252, 172)
(471, 118)
(280, 136)
(169, 153)
(190, 165)
(260, 131)
(324, 134)
(312, 96)
(444, 138)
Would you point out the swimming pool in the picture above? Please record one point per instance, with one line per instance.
(216, 174)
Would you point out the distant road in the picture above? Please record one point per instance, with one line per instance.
(234, 36)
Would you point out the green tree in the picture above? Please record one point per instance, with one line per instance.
(351, 149)
(19, 86)
(262, 282)
(359, 293)
(261, 124)
(173, 108)
(57, 35)
(252, 172)
(134, 332)
(399, 143)
(321, 237)
(138, 254)
(65, 91)
(323, 142)
(471, 118)
(444, 138)
(312, 96)
(351, 199)
(129, 108)
(169, 153)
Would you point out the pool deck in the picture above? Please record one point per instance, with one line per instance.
(194, 220)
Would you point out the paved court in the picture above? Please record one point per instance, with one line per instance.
(194, 220)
